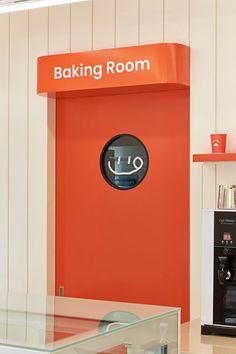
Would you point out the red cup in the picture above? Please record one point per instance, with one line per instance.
(218, 143)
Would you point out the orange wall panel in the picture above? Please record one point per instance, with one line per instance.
(128, 245)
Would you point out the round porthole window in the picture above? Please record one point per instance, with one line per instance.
(124, 161)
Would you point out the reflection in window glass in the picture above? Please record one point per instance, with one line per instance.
(124, 161)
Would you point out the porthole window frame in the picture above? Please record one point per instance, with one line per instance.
(106, 146)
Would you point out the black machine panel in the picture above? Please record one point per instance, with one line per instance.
(225, 229)
(224, 304)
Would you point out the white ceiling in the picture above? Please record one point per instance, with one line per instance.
(17, 5)
(9, 2)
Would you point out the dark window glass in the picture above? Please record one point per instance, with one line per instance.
(124, 161)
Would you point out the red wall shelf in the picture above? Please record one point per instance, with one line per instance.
(224, 157)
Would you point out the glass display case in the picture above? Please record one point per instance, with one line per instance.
(59, 325)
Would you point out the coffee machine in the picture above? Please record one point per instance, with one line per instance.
(218, 310)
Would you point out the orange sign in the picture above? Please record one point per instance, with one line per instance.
(149, 65)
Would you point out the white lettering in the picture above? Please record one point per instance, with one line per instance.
(75, 70)
(67, 73)
(120, 67)
(88, 71)
(110, 67)
(129, 66)
(97, 72)
(141, 64)
(57, 72)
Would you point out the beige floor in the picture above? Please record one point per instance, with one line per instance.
(193, 343)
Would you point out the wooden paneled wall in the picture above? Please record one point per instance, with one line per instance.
(27, 135)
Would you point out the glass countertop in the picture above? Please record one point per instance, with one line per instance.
(53, 323)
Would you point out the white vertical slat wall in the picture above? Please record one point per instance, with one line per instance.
(4, 158)
(18, 151)
(27, 134)
(127, 23)
(151, 21)
(176, 21)
(18, 157)
(202, 115)
(81, 26)
(4, 150)
(103, 24)
(37, 156)
(226, 84)
(59, 29)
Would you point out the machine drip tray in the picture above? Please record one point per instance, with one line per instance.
(218, 330)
